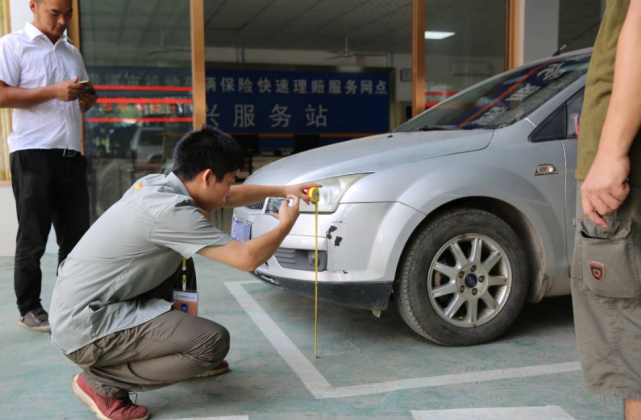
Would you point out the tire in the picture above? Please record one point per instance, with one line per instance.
(441, 308)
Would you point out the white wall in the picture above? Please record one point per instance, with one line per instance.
(8, 222)
(20, 14)
(540, 29)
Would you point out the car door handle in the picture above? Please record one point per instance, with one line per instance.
(546, 169)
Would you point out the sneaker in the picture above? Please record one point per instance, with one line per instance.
(107, 408)
(221, 368)
(35, 320)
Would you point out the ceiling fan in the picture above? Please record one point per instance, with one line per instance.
(347, 53)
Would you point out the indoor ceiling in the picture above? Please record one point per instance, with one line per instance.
(372, 26)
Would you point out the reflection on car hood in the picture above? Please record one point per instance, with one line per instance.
(369, 154)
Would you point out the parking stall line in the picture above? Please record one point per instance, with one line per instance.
(320, 387)
(550, 412)
(217, 418)
(311, 377)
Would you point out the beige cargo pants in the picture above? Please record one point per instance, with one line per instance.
(170, 348)
(606, 296)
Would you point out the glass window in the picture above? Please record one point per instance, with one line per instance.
(574, 108)
(285, 76)
(139, 59)
(465, 44)
(505, 99)
(579, 21)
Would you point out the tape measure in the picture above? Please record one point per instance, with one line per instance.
(314, 194)
(184, 274)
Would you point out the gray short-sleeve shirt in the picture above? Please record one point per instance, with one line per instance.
(131, 249)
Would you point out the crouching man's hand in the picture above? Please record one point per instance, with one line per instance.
(288, 214)
(248, 256)
(300, 191)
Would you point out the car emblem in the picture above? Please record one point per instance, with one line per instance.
(470, 280)
(597, 270)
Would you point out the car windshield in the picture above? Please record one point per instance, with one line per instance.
(503, 100)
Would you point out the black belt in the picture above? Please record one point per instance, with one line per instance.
(65, 152)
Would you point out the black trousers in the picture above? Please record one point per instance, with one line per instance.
(49, 188)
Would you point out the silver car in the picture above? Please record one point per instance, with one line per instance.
(458, 216)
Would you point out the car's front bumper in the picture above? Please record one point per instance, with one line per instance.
(364, 295)
(362, 242)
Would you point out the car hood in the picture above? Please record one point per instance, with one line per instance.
(369, 154)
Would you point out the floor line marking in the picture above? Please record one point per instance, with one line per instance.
(321, 388)
(550, 412)
(311, 377)
(218, 418)
(455, 379)
(245, 282)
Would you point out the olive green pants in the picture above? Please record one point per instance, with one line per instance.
(170, 348)
(606, 296)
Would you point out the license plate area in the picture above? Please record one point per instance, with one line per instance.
(240, 230)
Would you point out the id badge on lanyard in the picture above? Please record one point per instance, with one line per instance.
(185, 300)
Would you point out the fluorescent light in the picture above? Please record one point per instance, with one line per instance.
(437, 35)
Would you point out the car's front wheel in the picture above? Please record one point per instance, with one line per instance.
(463, 280)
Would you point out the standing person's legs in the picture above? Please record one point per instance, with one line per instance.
(71, 209)
(33, 190)
(606, 297)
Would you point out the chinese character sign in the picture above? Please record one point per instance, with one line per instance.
(266, 101)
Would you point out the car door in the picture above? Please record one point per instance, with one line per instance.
(563, 126)
(573, 116)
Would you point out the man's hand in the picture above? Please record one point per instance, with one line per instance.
(67, 91)
(300, 191)
(87, 101)
(250, 255)
(288, 214)
(606, 187)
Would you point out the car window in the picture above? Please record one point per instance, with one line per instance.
(151, 138)
(561, 124)
(574, 107)
(503, 100)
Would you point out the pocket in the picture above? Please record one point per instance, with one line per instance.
(608, 264)
(79, 165)
(85, 356)
(25, 160)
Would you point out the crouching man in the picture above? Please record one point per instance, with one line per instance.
(110, 312)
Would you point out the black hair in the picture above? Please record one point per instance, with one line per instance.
(207, 148)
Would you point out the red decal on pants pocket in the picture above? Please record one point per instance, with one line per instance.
(597, 270)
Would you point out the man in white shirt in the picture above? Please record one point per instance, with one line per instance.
(39, 74)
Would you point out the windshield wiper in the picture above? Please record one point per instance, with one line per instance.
(439, 127)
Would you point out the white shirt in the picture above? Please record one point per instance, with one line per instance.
(28, 59)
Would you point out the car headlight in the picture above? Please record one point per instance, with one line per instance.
(330, 195)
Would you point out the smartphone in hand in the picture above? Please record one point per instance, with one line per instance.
(272, 204)
(89, 86)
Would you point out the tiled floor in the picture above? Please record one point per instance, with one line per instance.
(368, 368)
